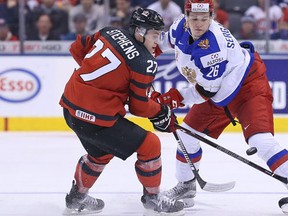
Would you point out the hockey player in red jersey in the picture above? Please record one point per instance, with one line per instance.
(117, 68)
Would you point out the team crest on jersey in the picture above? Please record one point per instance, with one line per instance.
(189, 73)
(204, 44)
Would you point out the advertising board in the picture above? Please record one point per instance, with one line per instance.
(31, 86)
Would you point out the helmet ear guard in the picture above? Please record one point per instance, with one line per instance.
(141, 31)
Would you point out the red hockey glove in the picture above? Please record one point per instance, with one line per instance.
(165, 120)
(155, 95)
(172, 98)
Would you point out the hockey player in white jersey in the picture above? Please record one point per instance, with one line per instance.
(228, 81)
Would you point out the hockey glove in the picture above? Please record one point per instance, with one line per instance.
(165, 120)
(172, 98)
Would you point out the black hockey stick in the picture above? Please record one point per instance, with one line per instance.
(203, 184)
(232, 154)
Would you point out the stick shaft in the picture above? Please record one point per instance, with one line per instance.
(203, 184)
(232, 154)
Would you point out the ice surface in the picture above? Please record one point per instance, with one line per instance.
(37, 171)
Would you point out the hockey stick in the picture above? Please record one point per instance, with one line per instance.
(232, 154)
(203, 184)
(206, 186)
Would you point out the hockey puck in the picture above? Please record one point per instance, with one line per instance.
(283, 204)
(251, 151)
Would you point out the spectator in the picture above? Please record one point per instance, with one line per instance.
(44, 30)
(4, 14)
(236, 6)
(275, 16)
(9, 12)
(120, 15)
(95, 14)
(181, 4)
(58, 17)
(116, 22)
(80, 23)
(66, 4)
(32, 4)
(281, 3)
(5, 33)
(221, 15)
(168, 9)
(283, 25)
(74, 2)
(143, 4)
(248, 29)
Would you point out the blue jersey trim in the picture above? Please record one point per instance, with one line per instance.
(230, 98)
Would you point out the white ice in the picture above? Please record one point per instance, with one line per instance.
(37, 171)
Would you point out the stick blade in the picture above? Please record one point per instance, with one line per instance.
(211, 187)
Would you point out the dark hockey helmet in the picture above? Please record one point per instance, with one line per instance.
(147, 19)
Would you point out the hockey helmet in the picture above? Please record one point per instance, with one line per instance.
(147, 19)
(199, 6)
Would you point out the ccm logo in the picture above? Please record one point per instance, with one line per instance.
(18, 85)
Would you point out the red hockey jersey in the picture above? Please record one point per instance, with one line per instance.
(114, 69)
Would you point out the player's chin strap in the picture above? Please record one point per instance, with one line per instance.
(206, 186)
(232, 154)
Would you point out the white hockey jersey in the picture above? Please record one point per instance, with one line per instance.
(215, 61)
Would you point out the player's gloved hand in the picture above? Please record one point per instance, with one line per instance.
(165, 120)
(172, 98)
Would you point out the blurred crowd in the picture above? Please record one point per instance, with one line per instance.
(64, 19)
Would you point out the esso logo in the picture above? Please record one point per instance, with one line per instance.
(18, 85)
